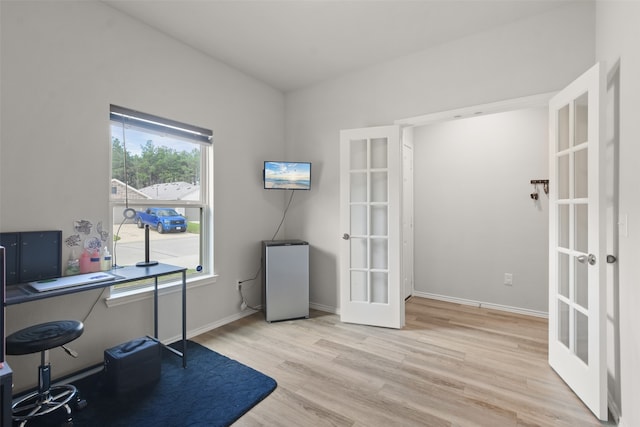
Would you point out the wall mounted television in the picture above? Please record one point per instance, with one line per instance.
(287, 175)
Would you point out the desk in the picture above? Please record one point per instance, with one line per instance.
(22, 293)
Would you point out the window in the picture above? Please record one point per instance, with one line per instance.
(160, 177)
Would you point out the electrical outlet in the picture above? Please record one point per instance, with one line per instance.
(238, 285)
(508, 279)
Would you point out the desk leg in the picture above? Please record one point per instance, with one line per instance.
(6, 384)
(155, 307)
(182, 353)
(184, 319)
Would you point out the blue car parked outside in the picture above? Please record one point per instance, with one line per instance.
(161, 219)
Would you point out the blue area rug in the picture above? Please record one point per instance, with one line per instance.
(212, 391)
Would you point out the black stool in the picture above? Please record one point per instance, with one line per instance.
(41, 338)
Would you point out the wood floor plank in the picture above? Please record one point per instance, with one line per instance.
(452, 365)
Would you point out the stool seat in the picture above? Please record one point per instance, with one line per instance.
(47, 399)
(44, 336)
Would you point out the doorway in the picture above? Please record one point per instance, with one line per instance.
(474, 207)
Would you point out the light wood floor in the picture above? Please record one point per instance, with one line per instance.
(452, 365)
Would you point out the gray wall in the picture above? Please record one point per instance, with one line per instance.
(474, 218)
(532, 56)
(63, 63)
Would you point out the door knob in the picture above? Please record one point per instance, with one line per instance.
(591, 259)
(346, 236)
(611, 259)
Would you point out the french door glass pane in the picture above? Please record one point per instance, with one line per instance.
(581, 228)
(358, 253)
(379, 153)
(358, 187)
(563, 177)
(379, 223)
(582, 284)
(379, 254)
(580, 171)
(378, 186)
(563, 275)
(582, 337)
(379, 288)
(359, 291)
(358, 220)
(581, 108)
(563, 226)
(358, 154)
(563, 128)
(563, 323)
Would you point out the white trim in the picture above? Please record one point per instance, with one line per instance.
(540, 100)
(325, 308)
(481, 304)
(141, 294)
(614, 410)
(236, 316)
(211, 326)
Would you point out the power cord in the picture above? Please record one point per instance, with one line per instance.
(115, 243)
(244, 305)
(127, 213)
(284, 215)
(93, 305)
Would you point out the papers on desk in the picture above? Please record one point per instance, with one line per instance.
(71, 281)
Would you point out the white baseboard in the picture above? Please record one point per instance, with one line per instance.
(335, 310)
(211, 326)
(248, 312)
(482, 304)
(325, 308)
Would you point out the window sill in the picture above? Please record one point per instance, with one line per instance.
(145, 293)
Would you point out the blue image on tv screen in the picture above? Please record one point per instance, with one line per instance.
(287, 175)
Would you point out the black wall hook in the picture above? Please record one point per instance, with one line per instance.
(544, 182)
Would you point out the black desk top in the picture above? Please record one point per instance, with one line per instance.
(21, 293)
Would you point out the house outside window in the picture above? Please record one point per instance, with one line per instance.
(160, 178)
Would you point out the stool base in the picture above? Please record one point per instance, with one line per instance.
(36, 404)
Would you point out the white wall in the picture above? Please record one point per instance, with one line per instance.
(474, 217)
(617, 33)
(532, 56)
(63, 63)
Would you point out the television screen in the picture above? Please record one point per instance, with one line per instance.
(287, 175)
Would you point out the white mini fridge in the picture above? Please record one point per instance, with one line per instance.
(285, 279)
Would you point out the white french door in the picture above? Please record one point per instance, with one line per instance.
(370, 197)
(577, 291)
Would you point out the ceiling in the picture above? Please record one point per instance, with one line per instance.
(295, 43)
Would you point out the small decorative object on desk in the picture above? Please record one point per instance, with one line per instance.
(73, 265)
(106, 259)
(92, 258)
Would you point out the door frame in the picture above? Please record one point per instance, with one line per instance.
(407, 237)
